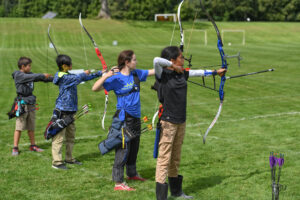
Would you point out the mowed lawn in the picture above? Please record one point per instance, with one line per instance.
(260, 113)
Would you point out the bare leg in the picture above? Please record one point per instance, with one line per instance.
(31, 137)
(17, 136)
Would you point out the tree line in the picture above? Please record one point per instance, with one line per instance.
(221, 10)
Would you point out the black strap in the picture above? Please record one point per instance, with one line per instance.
(135, 88)
(19, 95)
(136, 80)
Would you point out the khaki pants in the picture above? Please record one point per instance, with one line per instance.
(27, 120)
(57, 143)
(171, 140)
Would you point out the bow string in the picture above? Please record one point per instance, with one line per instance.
(104, 67)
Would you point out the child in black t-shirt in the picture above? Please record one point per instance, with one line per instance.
(172, 93)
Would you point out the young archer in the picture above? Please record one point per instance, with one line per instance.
(124, 81)
(66, 107)
(172, 93)
(24, 82)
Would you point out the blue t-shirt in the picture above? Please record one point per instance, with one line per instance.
(122, 84)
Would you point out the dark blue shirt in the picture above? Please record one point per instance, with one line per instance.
(67, 99)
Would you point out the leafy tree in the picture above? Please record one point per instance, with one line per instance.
(271, 9)
(292, 11)
(221, 10)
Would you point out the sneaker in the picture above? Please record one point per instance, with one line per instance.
(123, 186)
(35, 148)
(61, 166)
(15, 151)
(136, 178)
(75, 162)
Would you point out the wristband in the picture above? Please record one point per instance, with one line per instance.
(214, 72)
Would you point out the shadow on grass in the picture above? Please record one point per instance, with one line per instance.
(89, 156)
(148, 173)
(247, 176)
(204, 183)
(207, 182)
(45, 145)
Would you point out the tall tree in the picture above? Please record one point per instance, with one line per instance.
(104, 11)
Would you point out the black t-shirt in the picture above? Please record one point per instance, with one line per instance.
(173, 96)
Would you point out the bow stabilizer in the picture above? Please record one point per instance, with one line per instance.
(251, 73)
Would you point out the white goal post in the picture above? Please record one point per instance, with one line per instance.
(165, 16)
(197, 30)
(242, 31)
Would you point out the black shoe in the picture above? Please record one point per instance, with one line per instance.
(176, 187)
(61, 166)
(75, 162)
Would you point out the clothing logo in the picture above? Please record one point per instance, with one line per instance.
(128, 86)
(30, 85)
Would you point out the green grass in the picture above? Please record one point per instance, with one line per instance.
(260, 113)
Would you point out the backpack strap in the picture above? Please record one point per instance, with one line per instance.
(136, 79)
(159, 88)
(136, 86)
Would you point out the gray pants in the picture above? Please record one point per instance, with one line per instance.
(128, 155)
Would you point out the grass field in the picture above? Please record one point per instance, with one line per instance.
(260, 114)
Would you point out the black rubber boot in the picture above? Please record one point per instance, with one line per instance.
(176, 187)
(161, 191)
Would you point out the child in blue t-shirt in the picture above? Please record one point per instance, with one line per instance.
(124, 81)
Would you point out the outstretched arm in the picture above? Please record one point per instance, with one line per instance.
(86, 76)
(159, 64)
(201, 72)
(151, 72)
(98, 86)
(48, 78)
(28, 77)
